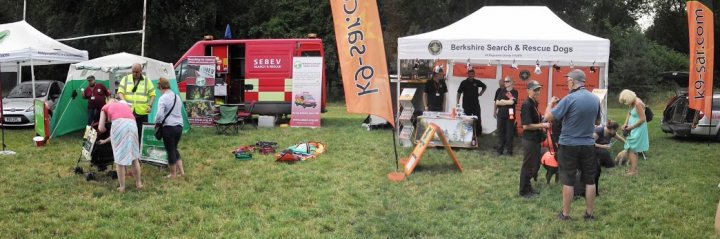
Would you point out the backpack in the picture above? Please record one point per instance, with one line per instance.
(648, 114)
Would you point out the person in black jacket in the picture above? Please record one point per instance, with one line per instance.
(533, 132)
(505, 100)
(470, 93)
(435, 91)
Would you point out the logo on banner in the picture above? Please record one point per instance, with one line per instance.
(524, 75)
(4, 34)
(267, 63)
(297, 65)
(435, 47)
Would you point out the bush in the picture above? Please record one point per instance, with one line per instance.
(635, 62)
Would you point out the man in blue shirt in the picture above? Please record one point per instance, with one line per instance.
(579, 113)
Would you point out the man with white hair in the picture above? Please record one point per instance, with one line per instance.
(579, 112)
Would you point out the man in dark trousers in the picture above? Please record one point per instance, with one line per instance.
(579, 112)
(532, 137)
(435, 91)
(96, 94)
(469, 90)
(505, 100)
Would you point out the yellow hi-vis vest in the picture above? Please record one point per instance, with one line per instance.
(139, 99)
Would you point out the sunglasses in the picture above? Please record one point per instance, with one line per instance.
(537, 90)
(507, 81)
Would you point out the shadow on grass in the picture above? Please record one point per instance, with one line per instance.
(692, 139)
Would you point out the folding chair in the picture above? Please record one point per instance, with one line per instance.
(227, 119)
(246, 114)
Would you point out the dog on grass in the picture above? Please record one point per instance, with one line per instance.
(621, 158)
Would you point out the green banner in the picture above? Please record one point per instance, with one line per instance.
(151, 149)
(41, 126)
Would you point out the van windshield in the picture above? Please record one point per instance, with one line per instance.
(24, 90)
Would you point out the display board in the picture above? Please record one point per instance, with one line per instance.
(90, 136)
(430, 132)
(152, 150)
(460, 131)
(42, 119)
(200, 90)
(307, 92)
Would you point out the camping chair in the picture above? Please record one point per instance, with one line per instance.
(246, 114)
(227, 119)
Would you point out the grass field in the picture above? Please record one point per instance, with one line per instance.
(345, 193)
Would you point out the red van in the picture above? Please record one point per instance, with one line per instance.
(257, 70)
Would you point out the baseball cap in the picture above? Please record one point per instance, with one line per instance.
(577, 75)
(471, 70)
(91, 78)
(533, 84)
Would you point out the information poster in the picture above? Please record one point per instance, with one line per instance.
(307, 91)
(152, 150)
(42, 119)
(90, 137)
(200, 90)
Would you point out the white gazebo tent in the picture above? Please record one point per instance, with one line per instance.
(503, 35)
(23, 45)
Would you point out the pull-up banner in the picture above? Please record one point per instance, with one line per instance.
(361, 54)
(702, 51)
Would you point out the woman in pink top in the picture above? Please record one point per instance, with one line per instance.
(124, 139)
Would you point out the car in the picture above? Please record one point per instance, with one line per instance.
(305, 100)
(18, 108)
(677, 118)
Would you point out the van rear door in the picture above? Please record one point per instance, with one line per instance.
(269, 70)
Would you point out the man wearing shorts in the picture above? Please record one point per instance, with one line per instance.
(579, 113)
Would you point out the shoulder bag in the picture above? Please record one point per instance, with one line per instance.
(159, 126)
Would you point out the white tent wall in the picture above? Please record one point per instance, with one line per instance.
(500, 35)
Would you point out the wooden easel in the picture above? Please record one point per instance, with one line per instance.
(412, 161)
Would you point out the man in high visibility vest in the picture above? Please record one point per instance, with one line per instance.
(139, 91)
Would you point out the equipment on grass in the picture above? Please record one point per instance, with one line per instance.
(99, 156)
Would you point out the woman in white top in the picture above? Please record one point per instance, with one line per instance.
(170, 118)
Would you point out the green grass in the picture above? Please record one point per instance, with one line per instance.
(345, 193)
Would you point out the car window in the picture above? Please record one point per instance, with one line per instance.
(24, 90)
(55, 90)
(716, 105)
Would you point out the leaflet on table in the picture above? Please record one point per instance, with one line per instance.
(447, 115)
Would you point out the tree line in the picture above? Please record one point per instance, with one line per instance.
(636, 54)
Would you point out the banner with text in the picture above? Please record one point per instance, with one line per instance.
(702, 55)
(306, 90)
(577, 51)
(361, 53)
(200, 90)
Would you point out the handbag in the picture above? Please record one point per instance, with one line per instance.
(159, 126)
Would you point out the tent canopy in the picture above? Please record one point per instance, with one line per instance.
(502, 36)
(70, 114)
(525, 33)
(20, 42)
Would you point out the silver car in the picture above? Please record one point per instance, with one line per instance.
(677, 118)
(18, 107)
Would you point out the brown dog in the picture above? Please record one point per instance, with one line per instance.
(621, 158)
